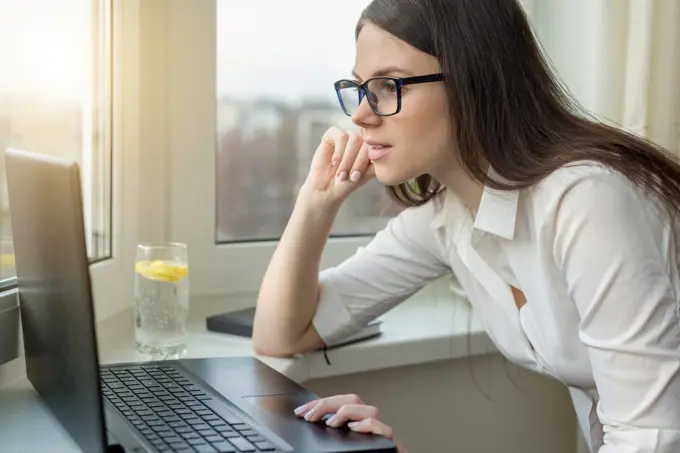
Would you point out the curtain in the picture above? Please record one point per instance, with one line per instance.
(621, 58)
(641, 54)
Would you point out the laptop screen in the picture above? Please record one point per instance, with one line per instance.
(55, 293)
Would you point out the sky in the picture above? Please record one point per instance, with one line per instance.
(286, 49)
(271, 48)
(42, 47)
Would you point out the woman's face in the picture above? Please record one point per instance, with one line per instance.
(417, 140)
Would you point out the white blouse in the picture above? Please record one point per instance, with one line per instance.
(598, 264)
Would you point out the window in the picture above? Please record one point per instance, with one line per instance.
(55, 98)
(247, 90)
(275, 100)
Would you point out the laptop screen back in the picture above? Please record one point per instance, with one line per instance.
(55, 293)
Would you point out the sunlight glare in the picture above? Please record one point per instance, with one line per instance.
(46, 48)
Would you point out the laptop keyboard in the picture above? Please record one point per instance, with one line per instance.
(174, 414)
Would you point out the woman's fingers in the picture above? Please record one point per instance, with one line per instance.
(347, 408)
(317, 409)
(360, 165)
(352, 412)
(348, 158)
(373, 426)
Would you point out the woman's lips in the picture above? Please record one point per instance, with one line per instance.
(376, 151)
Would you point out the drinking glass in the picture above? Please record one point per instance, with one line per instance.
(161, 300)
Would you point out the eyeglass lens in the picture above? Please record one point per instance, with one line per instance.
(382, 96)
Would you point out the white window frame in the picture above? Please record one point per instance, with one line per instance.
(191, 99)
(112, 278)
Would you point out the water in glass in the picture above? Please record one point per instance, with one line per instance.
(162, 301)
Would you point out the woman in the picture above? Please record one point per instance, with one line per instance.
(561, 230)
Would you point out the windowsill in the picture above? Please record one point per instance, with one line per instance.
(431, 326)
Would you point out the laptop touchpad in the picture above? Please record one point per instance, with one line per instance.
(282, 405)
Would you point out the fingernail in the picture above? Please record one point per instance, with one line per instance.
(353, 424)
(334, 163)
(309, 414)
(330, 421)
(356, 176)
(342, 176)
(300, 409)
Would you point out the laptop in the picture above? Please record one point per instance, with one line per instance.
(187, 405)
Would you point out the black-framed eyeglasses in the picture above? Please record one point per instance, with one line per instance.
(383, 93)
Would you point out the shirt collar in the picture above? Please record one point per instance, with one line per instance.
(497, 212)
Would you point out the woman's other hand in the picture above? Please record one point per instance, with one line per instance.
(349, 410)
(340, 165)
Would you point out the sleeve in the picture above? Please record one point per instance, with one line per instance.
(399, 261)
(617, 254)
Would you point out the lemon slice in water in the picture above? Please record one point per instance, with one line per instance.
(166, 271)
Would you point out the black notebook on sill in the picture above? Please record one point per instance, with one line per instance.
(240, 323)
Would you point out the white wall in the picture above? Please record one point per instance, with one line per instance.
(572, 33)
(438, 407)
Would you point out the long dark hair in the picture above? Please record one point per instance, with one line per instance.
(508, 110)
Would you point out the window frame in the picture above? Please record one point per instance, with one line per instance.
(112, 277)
(215, 269)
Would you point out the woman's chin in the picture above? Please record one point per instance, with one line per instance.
(390, 178)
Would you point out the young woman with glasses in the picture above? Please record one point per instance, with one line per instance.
(562, 230)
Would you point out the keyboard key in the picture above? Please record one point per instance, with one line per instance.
(256, 438)
(190, 435)
(265, 446)
(207, 432)
(183, 411)
(242, 444)
(248, 432)
(217, 422)
(183, 429)
(173, 440)
(225, 430)
(224, 447)
(196, 422)
(177, 424)
(205, 449)
(214, 438)
(204, 397)
(240, 426)
(196, 441)
(210, 417)
(189, 416)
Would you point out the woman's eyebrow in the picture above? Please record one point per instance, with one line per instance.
(386, 71)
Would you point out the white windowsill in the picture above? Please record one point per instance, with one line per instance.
(431, 326)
